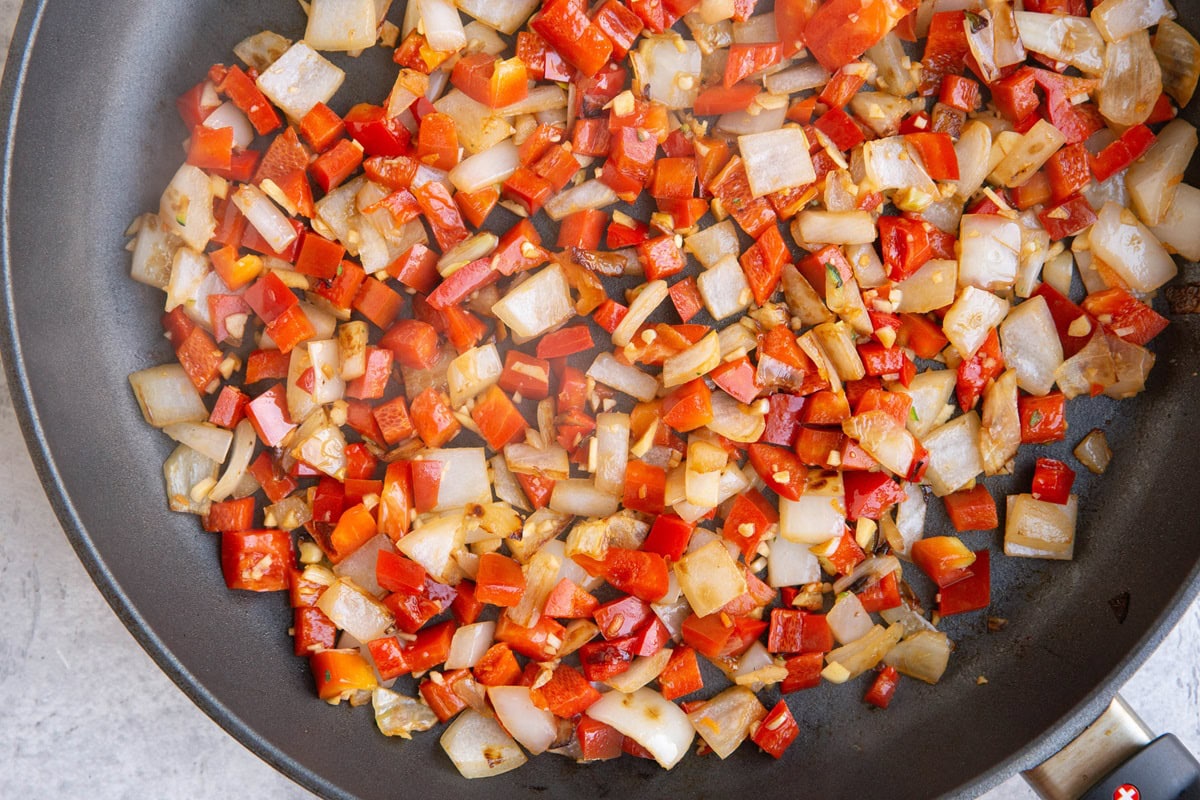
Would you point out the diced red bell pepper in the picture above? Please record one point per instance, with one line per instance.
(597, 741)
(725, 100)
(1043, 419)
(1067, 218)
(777, 730)
(747, 59)
(883, 688)
(498, 419)
(842, 30)
(602, 660)
(669, 536)
(881, 594)
(682, 675)
(905, 245)
(975, 373)
(230, 515)
(565, 27)
(870, 494)
(639, 573)
(1124, 315)
(257, 560)
(972, 509)
(1052, 481)
(973, 593)
(804, 672)
(1118, 155)
(433, 418)
(567, 694)
(569, 601)
(780, 469)
(340, 672)
(240, 89)
(623, 617)
(268, 414)
(945, 559)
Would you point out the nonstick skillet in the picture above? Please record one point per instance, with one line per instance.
(90, 141)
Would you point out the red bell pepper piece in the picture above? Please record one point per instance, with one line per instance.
(1052, 481)
(842, 30)
(883, 688)
(777, 730)
(945, 559)
(1043, 419)
(565, 27)
(780, 470)
(870, 494)
(973, 592)
(1124, 315)
(257, 560)
(975, 373)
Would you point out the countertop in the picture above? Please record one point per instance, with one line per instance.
(86, 713)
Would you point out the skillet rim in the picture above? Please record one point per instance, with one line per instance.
(1056, 735)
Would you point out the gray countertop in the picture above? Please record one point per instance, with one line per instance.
(86, 713)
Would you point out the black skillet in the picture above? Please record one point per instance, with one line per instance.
(91, 140)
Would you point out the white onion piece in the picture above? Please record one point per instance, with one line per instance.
(791, 564)
(735, 421)
(581, 498)
(541, 576)
(1093, 365)
(1093, 452)
(261, 50)
(551, 461)
(834, 227)
(203, 437)
(1028, 155)
(889, 163)
(166, 396)
(434, 545)
(341, 24)
(154, 250)
(472, 373)
(972, 149)
(923, 655)
(769, 118)
(1038, 529)
(733, 481)
(775, 159)
(895, 73)
(612, 451)
(477, 125)
(485, 169)
(910, 519)
(587, 195)
(848, 620)
(506, 16)
(264, 216)
(1152, 179)
(1178, 56)
(736, 339)
(320, 444)
(820, 513)
(1071, 40)
(299, 79)
(930, 287)
(668, 68)
(538, 304)
(802, 77)
(328, 385)
(873, 567)
(189, 271)
(1125, 244)
(548, 97)
(183, 471)
(1178, 231)
(885, 438)
(359, 566)
(1116, 19)
(880, 112)
(1058, 270)
(505, 484)
(533, 727)
(479, 747)
(623, 377)
(904, 614)
(930, 391)
(1000, 424)
(728, 719)
(836, 340)
(693, 362)
(973, 314)
(354, 611)
(1130, 82)
(227, 115)
(464, 476)
(990, 250)
(399, 715)
(186, 207)
(1031, 345)
(864, 653)
(649, 719)
(709, 578)
(1132, 363)
(643, 670)
(713, 243)
(724, 288)
(244, 439)
(443, 27)
(954, 459)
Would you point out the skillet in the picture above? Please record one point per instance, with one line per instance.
(89, 144)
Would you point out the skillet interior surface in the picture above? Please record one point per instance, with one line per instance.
(91, 142)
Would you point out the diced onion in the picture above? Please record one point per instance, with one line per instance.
(1116, 19)
(538, 304)
(612, 451)
(848, 620)
(709, 578)
(735, 421)
(724, 288)
(355, 611)
(271, 223)
(864, 653)
(1178, 56)
(1071, 40)
(791, 564)
(492, 166)
(581, 498)
(802, 77)
(551, 461)
(1000, 424)
(776, 160)
(1130, 82)
(434, 545)
(359, 566)
(203, 437)
(954, 459)
(1126, 245)
(400, 715)
(479, 747)
(473, 372)
(694, 362)
(584, 197)
(669, 70)
(341, 24)
(244, 439)
(728, 719)
(1031, 345)
(923, 655)
(654, 722)
(186, 207)
(820, 513)
(535, 728)
(183, 471)
(1152, 179)
(299, 79)
(1093, 451)
(972, 316)
(1039, 529)
(464, 476)
(835, 227)
(166, 396)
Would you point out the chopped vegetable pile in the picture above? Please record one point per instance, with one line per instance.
(595, 352)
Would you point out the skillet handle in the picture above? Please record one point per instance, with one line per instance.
(1118, 758)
